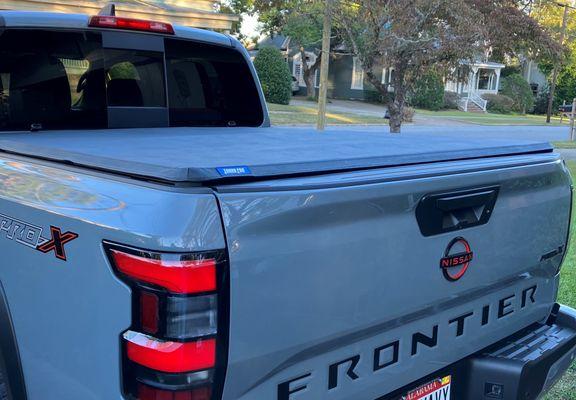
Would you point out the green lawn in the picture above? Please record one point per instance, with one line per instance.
(491, 119)
(564, 145)
(306, 115)
(566, 388)
(300, 115)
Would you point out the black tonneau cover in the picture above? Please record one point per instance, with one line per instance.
(209, 154)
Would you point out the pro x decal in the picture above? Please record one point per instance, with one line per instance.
(31, 236)
(457, 258)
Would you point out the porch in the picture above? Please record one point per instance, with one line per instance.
(472, 81)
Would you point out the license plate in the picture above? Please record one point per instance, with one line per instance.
(438, 389)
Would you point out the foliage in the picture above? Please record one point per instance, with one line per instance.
(541, 103)
(302, 21)
(450, 100)
(519, 90)
(566, 87)
(499, 103)
(428, 92)
(274, 75)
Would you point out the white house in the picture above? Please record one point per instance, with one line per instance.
(479, 78)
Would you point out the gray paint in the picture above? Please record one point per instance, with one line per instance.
(74, 354)
(350, 265)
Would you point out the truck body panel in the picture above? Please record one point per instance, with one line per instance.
(75, 354)
(351, 266)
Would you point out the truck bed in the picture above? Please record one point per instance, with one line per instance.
(197, 155)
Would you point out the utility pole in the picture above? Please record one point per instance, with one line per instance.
(324, 66)
(557, 66)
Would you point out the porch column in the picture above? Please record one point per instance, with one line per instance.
(498, 79)
(473, 84)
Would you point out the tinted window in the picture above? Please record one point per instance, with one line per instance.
(52, 80)
(210, 86)
(135, 78)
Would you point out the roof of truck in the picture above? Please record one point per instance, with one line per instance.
(208, 154)
(34, 19)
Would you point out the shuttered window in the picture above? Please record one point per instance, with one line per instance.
(357, 75)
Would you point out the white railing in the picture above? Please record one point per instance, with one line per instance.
(478, 100)
(463, 104)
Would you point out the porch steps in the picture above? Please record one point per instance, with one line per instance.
(475, 108)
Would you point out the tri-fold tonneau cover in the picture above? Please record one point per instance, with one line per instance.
(208, 154)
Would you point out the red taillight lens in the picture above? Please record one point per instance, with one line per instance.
(168, 356)
(101, 21)
(171, 350)
(150, 393)
(178, 276)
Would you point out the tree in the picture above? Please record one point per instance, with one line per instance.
(274, 75)
(302, 21)
(305, 31)
(411, 36)
(416, 36)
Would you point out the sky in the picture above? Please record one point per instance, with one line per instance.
(250, 25)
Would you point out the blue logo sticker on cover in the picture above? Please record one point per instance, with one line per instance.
(234, 171)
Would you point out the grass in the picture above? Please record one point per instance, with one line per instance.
(492, 119)
(565, 389)
(564, 145)
(306, 115)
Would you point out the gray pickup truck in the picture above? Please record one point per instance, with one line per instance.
(160, 241)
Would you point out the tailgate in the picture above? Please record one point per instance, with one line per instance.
(337, 289)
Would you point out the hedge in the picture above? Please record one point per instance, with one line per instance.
(274, 75)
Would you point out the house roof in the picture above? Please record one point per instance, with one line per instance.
(280, 42)
(485, 64)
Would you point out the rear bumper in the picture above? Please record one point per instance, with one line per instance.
(520, 367)
(526, 364)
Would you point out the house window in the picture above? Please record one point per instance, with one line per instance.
(357, 75)
(298, 73)
(317, 78)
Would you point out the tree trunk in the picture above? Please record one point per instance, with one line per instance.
(309, 72)
(396, 107)
(396, 112)
(310, 89)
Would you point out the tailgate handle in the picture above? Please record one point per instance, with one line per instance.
(465, 201)
(446, 212)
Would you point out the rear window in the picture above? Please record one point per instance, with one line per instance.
(51, 80)
(67, 80)
(210, 86)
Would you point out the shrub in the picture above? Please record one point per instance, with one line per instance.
(541, 104)
(408, 114)
(428, 92)
(499, 104)
(274, 75)
(519, 90)
(450, 100)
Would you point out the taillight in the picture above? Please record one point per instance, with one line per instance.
(174, 349)
(104, 21)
